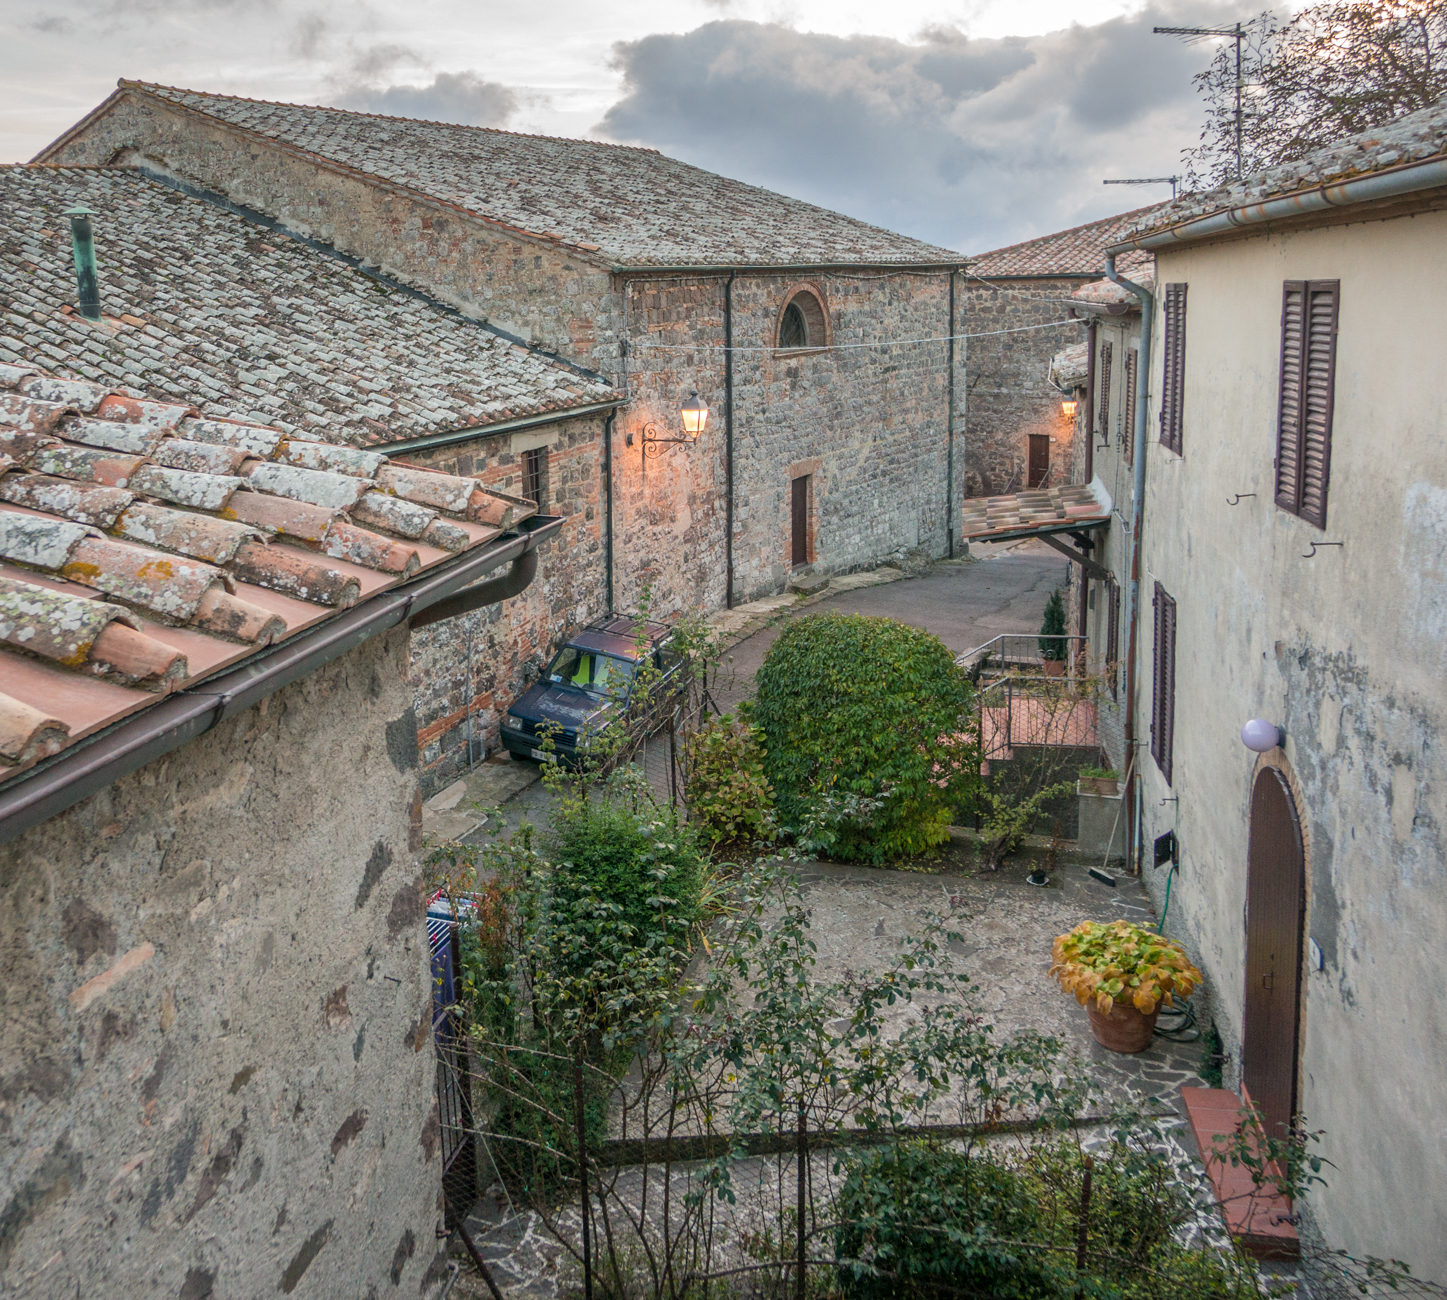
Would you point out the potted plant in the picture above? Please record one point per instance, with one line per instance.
(1122, 973)
(1052, 636)
(1099, 780)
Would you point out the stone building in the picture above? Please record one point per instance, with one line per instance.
(1016, 435)
(202, 304)
(1292, 562)
(216, 1068)
(822, 346)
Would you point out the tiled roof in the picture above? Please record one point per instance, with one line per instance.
(1039, 510)
(617, 204)
(1069, 368)
(1409, 138)
(145, 545)
(1107, 293)
(1077, 251)
(203, 306)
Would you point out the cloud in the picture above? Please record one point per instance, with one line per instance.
(460, 97)
(968, 143)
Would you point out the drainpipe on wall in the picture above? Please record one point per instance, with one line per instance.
(1082, 619)
(1137, 514)
(608, 507)
(950, 458)
(729, 439)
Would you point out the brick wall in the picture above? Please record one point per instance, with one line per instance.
(1007, 375)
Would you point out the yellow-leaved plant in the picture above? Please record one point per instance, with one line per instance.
(1115, 960)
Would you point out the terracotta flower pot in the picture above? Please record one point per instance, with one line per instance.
(1098, 785)
(1054, 667)
(1125, 1029)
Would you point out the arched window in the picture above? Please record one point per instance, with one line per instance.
(803, 322)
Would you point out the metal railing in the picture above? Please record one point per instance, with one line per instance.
(1014, 650)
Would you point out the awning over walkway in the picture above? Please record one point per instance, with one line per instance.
(1037, 513)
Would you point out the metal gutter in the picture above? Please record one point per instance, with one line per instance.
(473, 432)
(92, 764)
(1410, 178)
(1137, 515)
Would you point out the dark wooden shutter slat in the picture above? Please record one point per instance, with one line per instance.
(1112, 637)
(1320, 373)
(1289, 403)
(1103, 380)
(1132, 359)
(1156, 674)
(1163, 682)
(1168, 743)
(1173, 369)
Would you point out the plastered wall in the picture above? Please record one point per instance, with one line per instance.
(1348, 652)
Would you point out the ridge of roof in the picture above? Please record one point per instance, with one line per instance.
(203, 306)
(622, 206)
(145, 546)
(130, 83)
(1411, 138)
(1078, 249)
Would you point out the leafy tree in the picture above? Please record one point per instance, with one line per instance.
(1332, 70)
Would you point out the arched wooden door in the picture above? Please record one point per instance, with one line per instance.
(1275, 904)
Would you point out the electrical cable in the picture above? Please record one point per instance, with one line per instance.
(845, 347)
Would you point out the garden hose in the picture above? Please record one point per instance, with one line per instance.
(1186, 1030)
(1161, 928)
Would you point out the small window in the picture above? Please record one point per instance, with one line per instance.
(535, 475)
(1173, 373)
(803, 323)
(1163, 684)
(1304, 406)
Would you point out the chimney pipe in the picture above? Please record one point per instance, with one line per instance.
(83, 246)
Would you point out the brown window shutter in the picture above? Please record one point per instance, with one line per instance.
(1103, 382)
(1309, 310)
(1132, 359)
(1163, 682)
(1289, 405)
(1320, 390)
(1112, 637)
(1173, 369)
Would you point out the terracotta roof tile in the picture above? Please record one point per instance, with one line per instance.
(141, 573)
(296, 343)
(1077, 251)
(623, 205)
(1038, 510)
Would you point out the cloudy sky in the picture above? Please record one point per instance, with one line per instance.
(970, 123)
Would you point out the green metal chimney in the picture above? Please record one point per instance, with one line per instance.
(82, 243)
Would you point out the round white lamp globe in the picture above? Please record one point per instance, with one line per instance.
(1259, 735)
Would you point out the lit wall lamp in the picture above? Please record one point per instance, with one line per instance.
(1259, 736)
(694, 415)
(1067, 407)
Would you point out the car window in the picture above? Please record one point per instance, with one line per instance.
(588, 670)
(669, 657)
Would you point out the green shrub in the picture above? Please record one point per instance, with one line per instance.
(996, 1222)
(729, 796)
(1053, 625)
(867, 707)
(631, 850)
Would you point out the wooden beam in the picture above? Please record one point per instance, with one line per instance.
(1091, 568)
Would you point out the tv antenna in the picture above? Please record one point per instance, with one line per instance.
(1172, 181)
(1194, 34)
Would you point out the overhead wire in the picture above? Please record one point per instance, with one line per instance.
(844, 347)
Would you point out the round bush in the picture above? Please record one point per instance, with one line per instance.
(851, 706)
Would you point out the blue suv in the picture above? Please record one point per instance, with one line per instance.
(590, 683)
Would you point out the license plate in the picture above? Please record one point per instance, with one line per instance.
(543, 756)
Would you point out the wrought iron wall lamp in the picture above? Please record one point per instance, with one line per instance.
(694, 416)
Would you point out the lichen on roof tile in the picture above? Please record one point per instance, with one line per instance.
(51, 624)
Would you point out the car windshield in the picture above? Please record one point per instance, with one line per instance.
(591, 671)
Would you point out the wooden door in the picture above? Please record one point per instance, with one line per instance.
(1039, 459)
(799, 551)
(1275, 903)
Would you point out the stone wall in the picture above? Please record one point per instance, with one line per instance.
(475, 665)
(868, 425)
(1007, 375)
(216, 1068)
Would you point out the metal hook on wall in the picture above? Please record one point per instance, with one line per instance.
(1311, 554)
(1238, 498)
(1175, 798)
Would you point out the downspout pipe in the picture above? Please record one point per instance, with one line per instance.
(90, 765)
(520, 573)
(729, 439)
(950, 456)
(1137, 516)
(608, 508)
(1083, 618)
